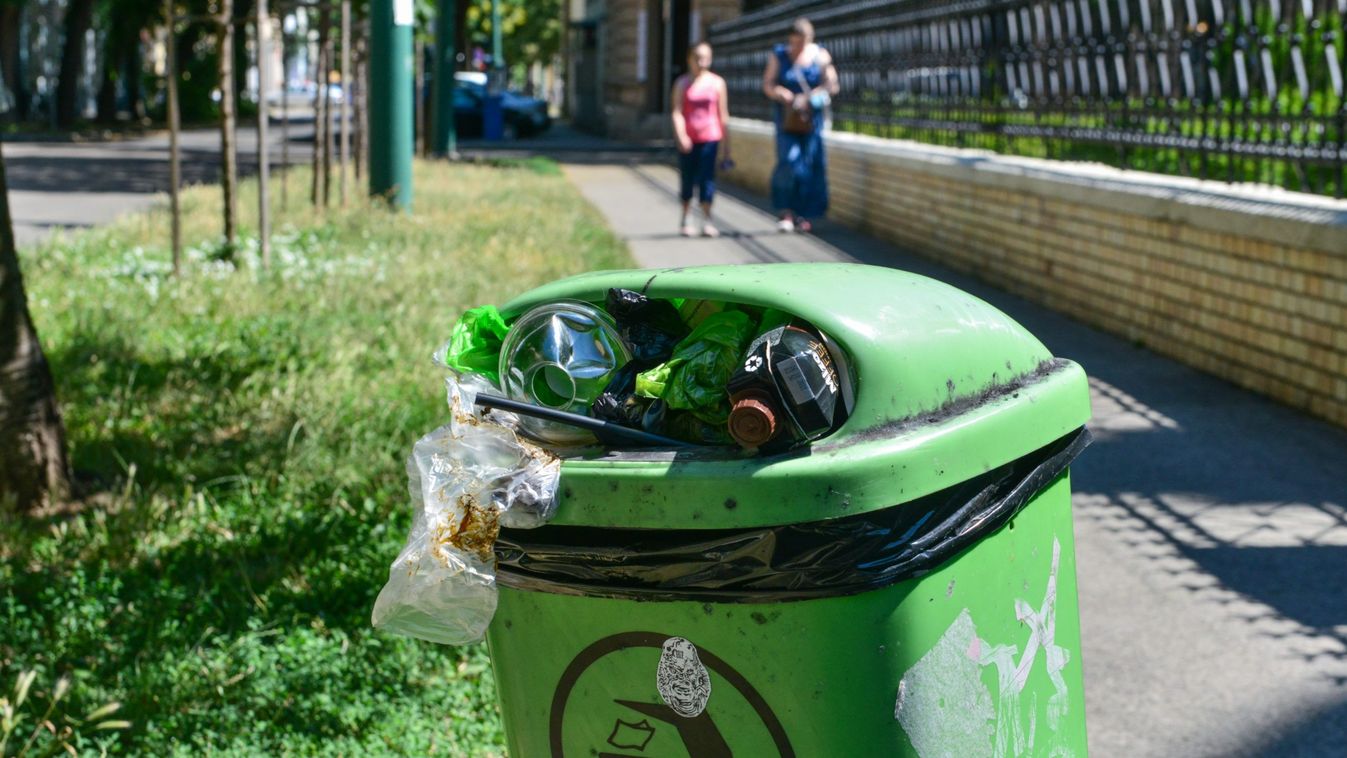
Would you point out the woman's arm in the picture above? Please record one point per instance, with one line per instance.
(724, 118)
(770, 88)
(680, 124)
(831, 84)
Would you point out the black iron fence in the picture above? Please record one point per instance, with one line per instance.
(1237, 90)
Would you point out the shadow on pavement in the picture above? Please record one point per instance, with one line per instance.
(565, 144)
(1240, 501)
(104, 173)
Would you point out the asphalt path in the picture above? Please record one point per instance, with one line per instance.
(72, 185)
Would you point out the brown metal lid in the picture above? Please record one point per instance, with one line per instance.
(752, 419)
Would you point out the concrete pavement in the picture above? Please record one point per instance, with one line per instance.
(1211, 523)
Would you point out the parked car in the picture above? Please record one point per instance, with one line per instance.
(299, 100)
(524, 116)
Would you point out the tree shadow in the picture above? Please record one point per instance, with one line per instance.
(1239, 500)
(565, 144)
(114, 173)
(192, 435)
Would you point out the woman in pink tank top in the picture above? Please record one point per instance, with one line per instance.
(700, 110)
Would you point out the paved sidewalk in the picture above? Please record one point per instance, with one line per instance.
(1211, 523)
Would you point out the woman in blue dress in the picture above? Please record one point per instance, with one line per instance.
(801, 79)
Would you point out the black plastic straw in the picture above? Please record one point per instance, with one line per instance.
(608, 433)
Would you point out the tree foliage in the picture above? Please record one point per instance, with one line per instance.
(530, 29)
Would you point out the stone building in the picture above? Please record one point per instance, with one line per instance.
(624, 55)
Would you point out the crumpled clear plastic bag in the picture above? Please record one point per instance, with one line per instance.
(467, 479)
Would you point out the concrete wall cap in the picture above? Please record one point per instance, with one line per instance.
(1262, 212)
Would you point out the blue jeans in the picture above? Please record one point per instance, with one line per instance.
(697, 168)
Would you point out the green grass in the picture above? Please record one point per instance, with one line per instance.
(240, 438)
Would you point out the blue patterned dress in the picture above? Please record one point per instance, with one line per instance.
(800, 180)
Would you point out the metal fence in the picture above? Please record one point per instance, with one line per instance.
(1238, 90)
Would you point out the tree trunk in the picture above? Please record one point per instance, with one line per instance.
(33, 466)
(328, 58)
(243, 12)
(121, 65)
(346, 80)
(419, 108)
(359, 103)
(107, 88)
(79, 15)
(228, 146)
(285, 119)
(262, 35)
(133, 66)
(11, 16)
(321, 117)
(172, 115)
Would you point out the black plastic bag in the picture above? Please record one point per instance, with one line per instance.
(652, 328)
(829, 558)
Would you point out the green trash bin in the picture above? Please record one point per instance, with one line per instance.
(903, 586)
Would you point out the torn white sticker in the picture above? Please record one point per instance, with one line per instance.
(941, 698)
(943, 705)
(682, 680)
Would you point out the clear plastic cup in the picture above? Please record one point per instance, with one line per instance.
(561, 355)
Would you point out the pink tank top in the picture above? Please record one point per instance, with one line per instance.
(701, 110)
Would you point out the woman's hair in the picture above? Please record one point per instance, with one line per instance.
(695, 46)
(804, 28)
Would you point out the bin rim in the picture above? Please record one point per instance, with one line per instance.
(947, 387)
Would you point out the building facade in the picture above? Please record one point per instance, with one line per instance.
(624, 56)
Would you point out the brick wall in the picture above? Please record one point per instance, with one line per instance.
(1248, 283)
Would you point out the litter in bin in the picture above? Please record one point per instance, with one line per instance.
(694, 378)
(652, 328)
(561, 355)
(467, 479)
(674, 368)
(787, 381)
(644, 372)
(475, 342)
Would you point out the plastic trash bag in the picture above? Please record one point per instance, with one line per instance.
(467, 480)
(475, 343)
(694, 378)
(652, 328)
(619, 402)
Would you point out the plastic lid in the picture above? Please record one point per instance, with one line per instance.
(752, 419)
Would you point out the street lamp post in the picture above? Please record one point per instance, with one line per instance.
(493, 110)
(445, 134)
(390, 116)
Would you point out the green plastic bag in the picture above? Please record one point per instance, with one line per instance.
(475, 343)
(694, 378)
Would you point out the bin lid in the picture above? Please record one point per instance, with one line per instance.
(947, 388)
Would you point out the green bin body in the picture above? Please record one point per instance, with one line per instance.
(975, 651)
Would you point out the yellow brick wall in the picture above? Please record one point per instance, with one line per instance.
(1259, 302)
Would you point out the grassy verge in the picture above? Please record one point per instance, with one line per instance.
(240, 436)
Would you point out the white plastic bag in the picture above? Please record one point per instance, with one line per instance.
(467, 479)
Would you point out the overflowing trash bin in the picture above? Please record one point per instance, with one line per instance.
(795, 509)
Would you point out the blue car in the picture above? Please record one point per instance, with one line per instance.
(524, 116)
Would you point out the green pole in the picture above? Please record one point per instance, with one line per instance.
(390, 116)
(446, 135)
(497, 58)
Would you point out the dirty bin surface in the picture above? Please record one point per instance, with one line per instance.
(903, 586)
